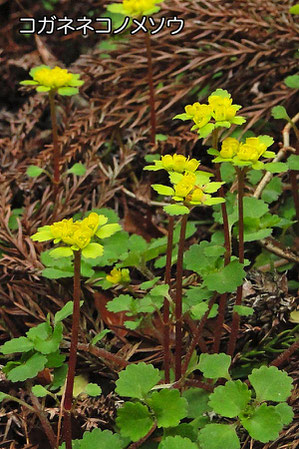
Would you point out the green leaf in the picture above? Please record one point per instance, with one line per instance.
(264, 424)
(29, 369)
(2, 396)
(20, 344)
(214, 366)
(93, 389)
(54, 273)
(198, 311)
(33, 171)
(68, 91)
(61, 251)
(197, 399)
(120, 303)
(163, 190)
(294, 9)
(100, 336)
(92, 250)
(43, 89)
(286, 413)
(176, 209)
(137, 380)
(267, 140)
(206, 130)
(108, 230)
(244, 310)
(149, 284)
(134, 420)
(273, 190)
(77, 169)
(276, 167)
(39, 391)
(66, 311)
(231, 399)
(218, 436)
(177, 442)
(293, 162)
(168, 406)
(220, 93)
(28, 83)
(279, 112)
(227, 279)
(183, 117)
(161, 137)
(292, 81)
(100, 439)
(55, 359)
(271, 384)
(51, 344)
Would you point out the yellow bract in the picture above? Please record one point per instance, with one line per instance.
(117, 276)
(251, 150)
(200, 113)
(138, 7)
(179, 163)
(223, 109)
(184, 187)
(229, 147)
(53, 78)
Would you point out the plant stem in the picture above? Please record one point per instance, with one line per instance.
(67, 404)
(286, 354)
(166, 339)
(151, 87)
(236, 317)
(143, 439)
(197, 334)
(294, 183)
(227, 245)
(43, 419)
(178, 300)
(56, 152)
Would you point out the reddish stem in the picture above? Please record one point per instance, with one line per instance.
(151, 87)
(236, 318)
(56, 152)
(286, 354)
(68, 398)
(166, 341)
(178, 301)
(197, 335)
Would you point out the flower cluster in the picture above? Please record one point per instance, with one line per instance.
(77, 235)
(117, 276)
(244, 153)
(190, 187)
(58, 80)
(219, 112)
(135, 8)
(177, 163)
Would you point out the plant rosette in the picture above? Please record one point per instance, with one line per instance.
(220, 112)
(135, 8)
(77, 235)
(246, 153)
(54, 80)
(189, 189)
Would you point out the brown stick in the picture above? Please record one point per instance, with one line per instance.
(166, 340)
(56, 152)
(178, 301)
(67, 404)
(236, 318)
(285, 355)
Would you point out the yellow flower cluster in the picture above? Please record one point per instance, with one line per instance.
(117, 276)
(135, 8)
(78, 235)
(46, 79)
(188, 191)
(251, 150)
(176, 163)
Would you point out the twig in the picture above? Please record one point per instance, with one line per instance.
(283, 253)
(285, 355)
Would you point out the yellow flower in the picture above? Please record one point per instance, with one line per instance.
(223, 109)
(93, 221)
(199, 113)
(117, 276)
(251, 150)
(197, 195)
(135, 8)
(185, 186)
(229, 147)
(63, 231)
(46, 79)
(179, 163)
(81, 238)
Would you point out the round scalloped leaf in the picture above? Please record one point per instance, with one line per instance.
(61, 251)
(169, 407)
(28, 369)
(271, 384)
(177, 442)
(77, 169)
(163, 190)
(134, 420)
(68, 91)
(286, 413)
(137, 380)
(176, 209)
(243, 310)
(229, 400)
(293, 162)
(292, 81)
(39, 391)
(101, 439)
(218, 436)
(108, 230)
(33, 171)
(214, 366)
(92, 251)
(20, 344)
(197, 399)
(264, 424)
(279, 112)
(93, 389)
